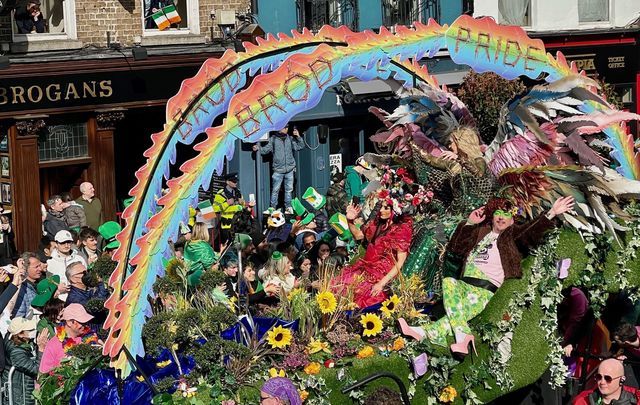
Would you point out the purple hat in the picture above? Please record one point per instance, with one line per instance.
(282, 388)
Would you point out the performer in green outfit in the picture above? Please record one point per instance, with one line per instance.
(199, 253)
(492, 250)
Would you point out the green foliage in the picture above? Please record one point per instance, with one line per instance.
(55, 387)
(95, 306)
(210, 279)
(165, 384)
(103, 267)
(485, 94)
(158, 333)
(608, 91)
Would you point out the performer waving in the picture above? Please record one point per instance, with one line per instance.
(492, 248)
(387, 237)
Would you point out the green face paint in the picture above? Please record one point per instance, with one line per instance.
(504, 214)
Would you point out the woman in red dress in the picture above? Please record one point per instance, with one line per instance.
(387, 238)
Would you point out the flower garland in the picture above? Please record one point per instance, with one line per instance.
(627, 254)
(496, 334)
(550, 289)
(88, 338)
(592, 279)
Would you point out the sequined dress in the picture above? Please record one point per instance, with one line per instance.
(378, 260)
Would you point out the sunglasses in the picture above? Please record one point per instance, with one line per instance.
(504, 214)
(607, 378)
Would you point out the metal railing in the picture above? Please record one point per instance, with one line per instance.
(405, 12)
(6, 390)
(313, 14)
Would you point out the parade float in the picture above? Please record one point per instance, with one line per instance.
(552, 141)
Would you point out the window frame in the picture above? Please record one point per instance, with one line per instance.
(604, 23)
(193, 22)
(70, 27)
(529, 16)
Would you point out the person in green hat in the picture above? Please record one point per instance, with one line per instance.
(318, 203)
(46, 300)
(198, 253)
(301, 213)
(108, 231)
(279, 273)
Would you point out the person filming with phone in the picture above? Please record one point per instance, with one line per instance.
(29, 18)
(282, 146)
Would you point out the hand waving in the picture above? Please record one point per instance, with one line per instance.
(353, 211)
(476, 216)
(562, 205)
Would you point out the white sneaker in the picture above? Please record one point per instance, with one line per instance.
(289, 211)
(266, 212)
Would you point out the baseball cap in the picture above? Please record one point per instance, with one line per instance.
(20, 324)
(77, 313)
(63, 236)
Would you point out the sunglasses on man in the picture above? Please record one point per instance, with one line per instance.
(607, 378)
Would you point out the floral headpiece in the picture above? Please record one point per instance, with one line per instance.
(401, 192)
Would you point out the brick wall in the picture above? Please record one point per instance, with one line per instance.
(94, 18)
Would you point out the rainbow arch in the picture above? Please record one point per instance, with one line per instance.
(289, 75)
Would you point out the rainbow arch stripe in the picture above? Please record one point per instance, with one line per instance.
(289, 75)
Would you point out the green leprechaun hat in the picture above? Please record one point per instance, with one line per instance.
(109, 230)
(301, 212)
(339, 222)
(45, 290)
(314, 198)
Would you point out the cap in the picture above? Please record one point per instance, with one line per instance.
(45, 290)
(109, 230)
(63, 236)
(20, 324)
(77, 313)
(231, 177)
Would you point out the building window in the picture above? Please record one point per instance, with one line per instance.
(515, 12)
(313, 14)
(406, 12)
(64, 142)
(170, 17)
(51, 19)
(593, 11)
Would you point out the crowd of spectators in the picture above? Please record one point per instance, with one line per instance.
(46, 295)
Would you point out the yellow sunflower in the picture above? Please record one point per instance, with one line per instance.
(279, 337)
(389, 306)
(327, 302)
(371, 323)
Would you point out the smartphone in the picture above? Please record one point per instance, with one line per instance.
(252, 198)
(355, 200)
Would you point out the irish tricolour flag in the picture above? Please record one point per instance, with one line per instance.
(206, 210)
(161, 19)
(172, 14)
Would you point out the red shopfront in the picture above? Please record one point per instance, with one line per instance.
(613, 57)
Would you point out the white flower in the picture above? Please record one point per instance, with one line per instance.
(472, 298)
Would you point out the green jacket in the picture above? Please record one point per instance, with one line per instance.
(353, 184)
(26, 370)
(200, 256)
